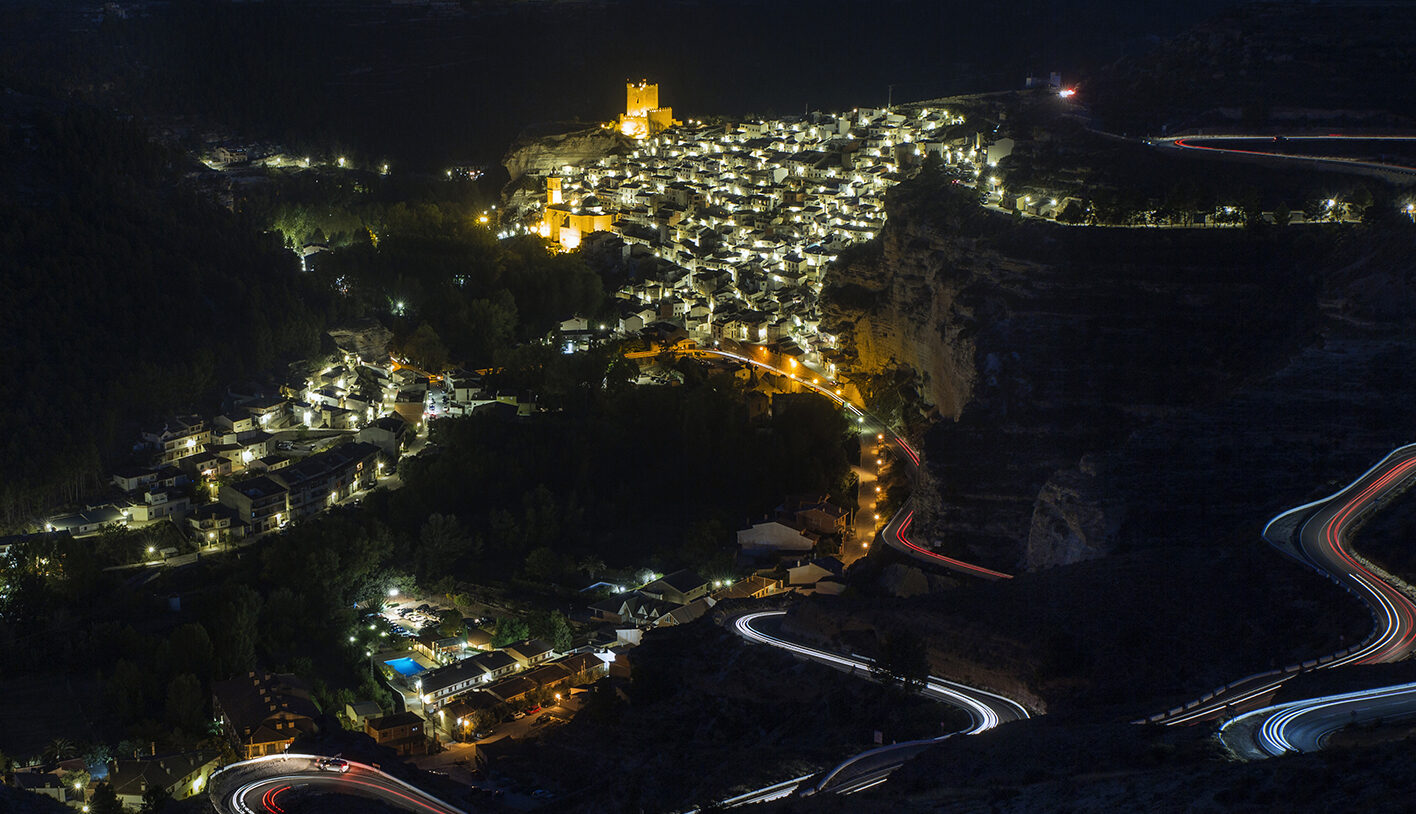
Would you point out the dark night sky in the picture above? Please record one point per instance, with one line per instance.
(407, 84)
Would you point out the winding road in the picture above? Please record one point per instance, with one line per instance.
(266, 785)
(895, 531)
(985, 709)
(1319, 535)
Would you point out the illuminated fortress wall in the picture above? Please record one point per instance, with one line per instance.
(642, 115)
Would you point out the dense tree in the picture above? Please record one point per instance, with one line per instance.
(185, 707)
(552, 628)
(509, 631)
(233, 618)
(156, 800)
(444, 546)
(104, 801)
(426, 350)
(191, 650)
(127, 688)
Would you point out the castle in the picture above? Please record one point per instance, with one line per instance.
(567, 221)
(642, 115)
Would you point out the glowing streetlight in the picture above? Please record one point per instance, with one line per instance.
(393, 592)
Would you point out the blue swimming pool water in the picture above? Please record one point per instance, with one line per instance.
(405, 666)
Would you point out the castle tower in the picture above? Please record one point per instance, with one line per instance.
(640, 98)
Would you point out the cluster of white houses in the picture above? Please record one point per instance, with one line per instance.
(273, 458)
(736, 222)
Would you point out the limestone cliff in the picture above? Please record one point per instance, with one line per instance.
(368, 339)
(546, 151)
(1076, 517)
(1040, 344)
(897, 302)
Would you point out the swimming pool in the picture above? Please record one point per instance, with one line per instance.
(405, 666)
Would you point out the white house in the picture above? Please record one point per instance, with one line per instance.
(773, 536)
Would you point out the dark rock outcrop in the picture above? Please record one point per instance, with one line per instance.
(368, 339)
(542, 153)
(1212, 372)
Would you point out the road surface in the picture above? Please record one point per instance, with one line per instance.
(1227, 145)
(985, 709)
(267, 785)
(1318, 534)
(895, 531)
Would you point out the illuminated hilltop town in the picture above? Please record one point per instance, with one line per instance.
(738, 220)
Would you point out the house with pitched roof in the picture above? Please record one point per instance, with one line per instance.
(403, 732)
(262, 713)
(530, 652)
(680, 587)
(182, 775)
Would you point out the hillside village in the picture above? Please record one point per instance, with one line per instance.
(275, 456)
(733, 224)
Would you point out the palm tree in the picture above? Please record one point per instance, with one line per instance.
(60, 749)
(591, 566)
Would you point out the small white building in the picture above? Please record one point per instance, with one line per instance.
(773, 536)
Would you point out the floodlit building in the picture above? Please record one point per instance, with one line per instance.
(179, 437)
(642, 115)
(262, 503)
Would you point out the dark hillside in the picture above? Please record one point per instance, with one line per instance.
(125, 296)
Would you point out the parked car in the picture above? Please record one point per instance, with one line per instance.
(332, 764)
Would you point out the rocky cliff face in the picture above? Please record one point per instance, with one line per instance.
(1070, 364)
(544, 153)
(1076, 517)
(369, 340)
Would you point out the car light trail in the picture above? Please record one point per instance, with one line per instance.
(1322, 542)
(986, 710)
(899, 536)
(273, 776)
(899, 524)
